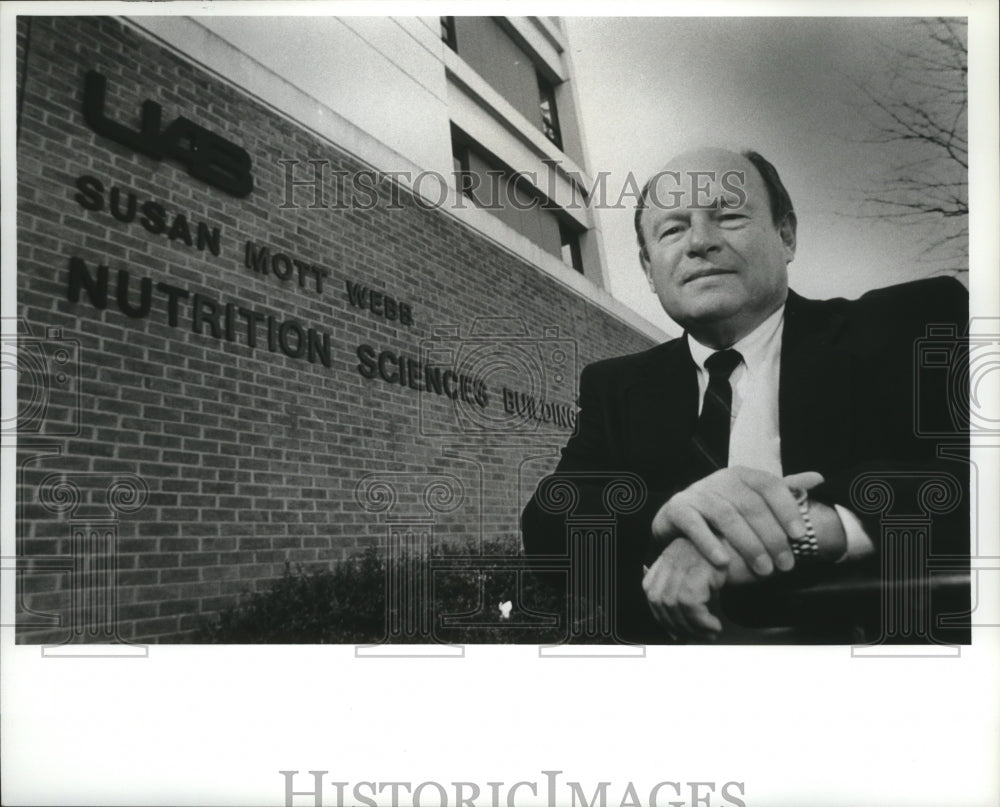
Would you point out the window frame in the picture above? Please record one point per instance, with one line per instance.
(447, 32)
(549, 110)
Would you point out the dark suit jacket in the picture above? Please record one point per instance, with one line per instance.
(851, 406)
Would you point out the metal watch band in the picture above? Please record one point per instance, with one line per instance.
(808, 546)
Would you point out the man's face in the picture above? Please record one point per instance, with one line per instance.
(713, 254)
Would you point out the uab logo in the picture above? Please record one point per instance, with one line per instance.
(206, 155)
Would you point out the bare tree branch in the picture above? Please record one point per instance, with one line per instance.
(919, 108)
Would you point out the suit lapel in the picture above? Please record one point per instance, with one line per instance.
(662, 408)
(814, 395)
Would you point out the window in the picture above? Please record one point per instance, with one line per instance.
(571, 254)
(461, 167)
(494, 50)
(448, 33)
(494, 186)
(550, 118)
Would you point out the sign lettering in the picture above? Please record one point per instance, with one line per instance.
(206, 155)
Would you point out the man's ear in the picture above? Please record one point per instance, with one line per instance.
(787, 232)
(644, 261)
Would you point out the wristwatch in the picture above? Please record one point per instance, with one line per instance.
(808, 546)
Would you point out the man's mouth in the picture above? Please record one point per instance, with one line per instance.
(712, 272)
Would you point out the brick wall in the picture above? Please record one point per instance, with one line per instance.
(193, 465)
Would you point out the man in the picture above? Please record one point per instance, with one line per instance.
(749, 432)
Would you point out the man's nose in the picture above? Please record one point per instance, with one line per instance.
(703, 236)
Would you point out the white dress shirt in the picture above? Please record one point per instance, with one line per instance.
(754, 436)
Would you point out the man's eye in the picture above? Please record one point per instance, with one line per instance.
(731, 219)
(672, 231)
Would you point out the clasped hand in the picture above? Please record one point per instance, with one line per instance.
(730, 527)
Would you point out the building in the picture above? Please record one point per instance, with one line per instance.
(287, 288)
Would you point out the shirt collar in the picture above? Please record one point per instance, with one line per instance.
(753, 347)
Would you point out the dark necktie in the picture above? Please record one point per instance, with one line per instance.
(711, 437)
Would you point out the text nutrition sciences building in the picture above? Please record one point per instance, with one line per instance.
(288, 288)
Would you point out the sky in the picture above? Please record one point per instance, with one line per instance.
(789, 88)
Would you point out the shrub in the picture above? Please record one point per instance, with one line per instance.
(348, 604)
